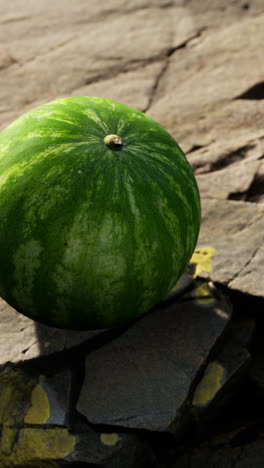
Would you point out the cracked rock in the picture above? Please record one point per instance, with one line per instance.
(83, 56)
(221, 154)
(235, 229)
(225, 373)
(199, 106)
(226, 182)
(256, 191)
(133, 88)
(33, 427)
(142, 379)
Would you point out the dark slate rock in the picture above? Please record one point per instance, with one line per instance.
(57, 388)
(204, 457)
(257, 366)
(50, 400)
(16, 387)
(185, 282)
(142, 378)
(252, 455)
(243, 329)
(228, 456)
(223, 375)
(111, 450)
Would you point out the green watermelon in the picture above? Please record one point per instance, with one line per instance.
(99, 213)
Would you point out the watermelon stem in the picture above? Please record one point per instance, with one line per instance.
(114, 142)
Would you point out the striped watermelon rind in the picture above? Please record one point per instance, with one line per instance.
(92, 237)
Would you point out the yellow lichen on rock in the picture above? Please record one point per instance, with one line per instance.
(43, 444)
(204, 294)
(202, 258)
(15, 390)
(7, 442)
(39, 411)
(28, 446)
(34, 445)
(209, 385)
(110, 439)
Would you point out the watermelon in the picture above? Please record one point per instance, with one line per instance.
(99, 213)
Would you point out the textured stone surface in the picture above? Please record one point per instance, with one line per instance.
(142, 379)
(21, 338)
(5, 59)
(226, 456)
(211, 75)
(133, 87)
(57, 401)
(223, 184)
(227, 369)
(82, 55)
(236, 231)
(34, 429)
(218, 155)
(24, 411)
(111, 449)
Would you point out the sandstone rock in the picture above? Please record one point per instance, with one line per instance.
(250, 279)
(201, 105)
(82, 55)
(5, 59)
(133, 88)
(256, 191)
(225, 183)
(221, 154)
(217, 14)
(21, 338)
(235, 230)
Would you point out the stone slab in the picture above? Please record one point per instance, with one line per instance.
(111, 449)
(50, 400)
(223, 375)
(142, 379)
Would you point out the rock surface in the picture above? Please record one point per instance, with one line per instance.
(21, 338)
(143, 378)
(183, 386)
(237, 235)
